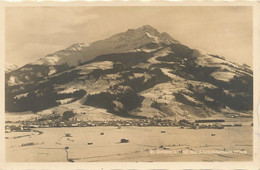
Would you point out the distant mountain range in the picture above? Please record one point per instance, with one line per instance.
(138, 73)
(10, 67)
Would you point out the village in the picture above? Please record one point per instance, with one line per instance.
(20, 126)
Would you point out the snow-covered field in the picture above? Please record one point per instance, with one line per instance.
(144, 144)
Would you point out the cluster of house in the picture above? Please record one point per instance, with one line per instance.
(206, 124)
(197, 124)
(75, 123)
(16, 128)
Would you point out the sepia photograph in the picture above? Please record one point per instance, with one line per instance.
(129, 84)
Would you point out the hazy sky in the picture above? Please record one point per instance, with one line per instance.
(33, 32)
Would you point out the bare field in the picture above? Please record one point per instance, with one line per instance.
(146, 144)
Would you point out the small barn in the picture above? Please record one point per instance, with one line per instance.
(124, 140)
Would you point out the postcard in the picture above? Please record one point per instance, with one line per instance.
(140, 85)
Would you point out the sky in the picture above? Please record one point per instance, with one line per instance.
(34, 32)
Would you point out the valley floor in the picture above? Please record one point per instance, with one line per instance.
(146, 144)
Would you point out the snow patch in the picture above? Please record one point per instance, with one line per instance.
(156, 39)
(13, 81)
(209, 99)
(190, 99)
(112, 76)
(104, 65)
(48, 60)
(26, 69)
(137, 75)
(118, 104)
(77, 47)
(68, 90)
(166, 72)
(21, 95)
(227, 92)
(52, 71)
(65, 101)
(223, 76)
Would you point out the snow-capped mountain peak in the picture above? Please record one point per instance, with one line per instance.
(139, 36)
(118, 43)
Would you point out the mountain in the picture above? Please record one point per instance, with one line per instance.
(138, 73)
(82, 52)
(10, 67)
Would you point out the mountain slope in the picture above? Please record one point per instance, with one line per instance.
(150, 76)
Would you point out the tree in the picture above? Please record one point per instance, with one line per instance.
(67, 115)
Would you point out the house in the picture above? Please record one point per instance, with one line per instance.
(34, 126)
(74, 125)
(124, 140)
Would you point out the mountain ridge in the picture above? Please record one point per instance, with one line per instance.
(72, 56)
